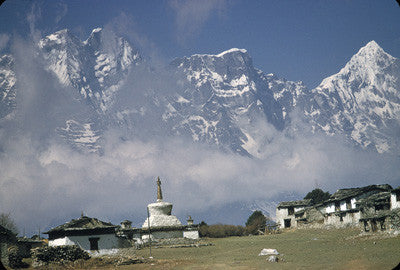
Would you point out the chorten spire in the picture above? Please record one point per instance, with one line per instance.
(159, 193)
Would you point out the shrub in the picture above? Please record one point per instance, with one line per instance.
(220, 230)
(317, 196)
(255, 223)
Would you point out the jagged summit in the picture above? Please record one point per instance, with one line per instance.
(372, 54)
(361, 99)
(98, 29)
(371, 46)
(61, 37)
(222, 54)
(233, 50)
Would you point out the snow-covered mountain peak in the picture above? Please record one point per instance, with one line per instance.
(371, 56)
(365, 67)
(233, 50)
(96, 30)
(361, 99)
(61, 37)
(94, 39)
(371, 48)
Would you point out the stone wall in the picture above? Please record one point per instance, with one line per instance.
(342, 219)
(60, 254)
(191, 234)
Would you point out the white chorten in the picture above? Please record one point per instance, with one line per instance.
(160, 212)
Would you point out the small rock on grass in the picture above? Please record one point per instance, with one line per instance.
(268, 251)
(272, 258)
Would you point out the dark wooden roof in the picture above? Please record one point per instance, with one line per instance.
(375, 199)
(28, 240)
(396, 190)
(295, 203)
(83, 223)
(346, 193)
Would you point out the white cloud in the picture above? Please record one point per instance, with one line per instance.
(62, 10)
(4, 39)
(33, 16)
(191, 15)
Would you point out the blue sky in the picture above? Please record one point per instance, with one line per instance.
(298, 40)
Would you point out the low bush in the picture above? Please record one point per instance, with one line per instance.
(220, 230)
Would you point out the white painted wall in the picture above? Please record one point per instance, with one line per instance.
(61, 242)
(281, 214)
(343, 206)
(393, 201)
(353, 203)
(108, 243)
(298, 208)
(191, 234)
(330, 208)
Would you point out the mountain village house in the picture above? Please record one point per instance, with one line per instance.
(285, 212)
(98, 237)
(374, 207)
(91, 234)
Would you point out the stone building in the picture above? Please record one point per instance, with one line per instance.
(310, 216)
(341, 209)
(375, 211)
(374, 207)
(381, 211)
(92, 235)
(286, 212)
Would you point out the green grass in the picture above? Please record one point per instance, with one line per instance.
(301, 249)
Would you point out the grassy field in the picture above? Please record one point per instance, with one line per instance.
(301, 249)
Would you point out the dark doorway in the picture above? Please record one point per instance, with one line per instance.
(348, 204)
(337, 206)
(94, 243)
(287, 223)
(374, 227)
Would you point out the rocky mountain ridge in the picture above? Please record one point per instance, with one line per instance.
(221, 99)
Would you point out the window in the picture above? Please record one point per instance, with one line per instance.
(287, 223)
(378, 207)
(337, 206)
(348, 204)
(382, 223)
(94, 243)
(374, 228)
(341, 218)
(398, 197)
(366, 226)
(290, 211)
